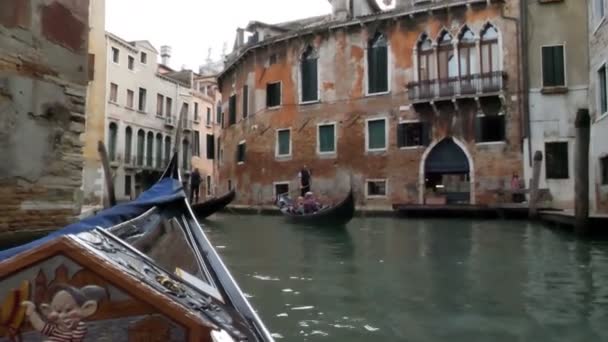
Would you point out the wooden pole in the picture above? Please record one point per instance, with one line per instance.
(536, 166)
(581, 171)
(110, 201)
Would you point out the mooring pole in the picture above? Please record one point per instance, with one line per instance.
(581, 171)
(534, 183)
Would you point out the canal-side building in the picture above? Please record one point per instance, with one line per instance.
(558, 80)
(143, 107)
(418, 104)
(45, 73)
(598, 102)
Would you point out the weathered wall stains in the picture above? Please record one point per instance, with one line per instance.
(15, 14)
(59, 25)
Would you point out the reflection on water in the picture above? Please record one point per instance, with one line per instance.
(417, 280)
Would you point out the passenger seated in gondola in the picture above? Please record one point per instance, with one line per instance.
(310, 203)
(298, 207)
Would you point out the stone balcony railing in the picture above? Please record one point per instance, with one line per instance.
(170, 121)
(463, 86)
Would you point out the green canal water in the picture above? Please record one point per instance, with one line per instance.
(384, 279)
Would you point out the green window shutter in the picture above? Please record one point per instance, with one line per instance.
(284, 142)
(558, 64)
(371, 70)
(547, 57)
(376, 134)
(381, 69)
(326, 138)
(309, 80)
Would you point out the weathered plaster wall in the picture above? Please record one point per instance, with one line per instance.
(343, 101)
(43, 78)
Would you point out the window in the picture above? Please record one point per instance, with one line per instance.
(273, 59)
(376, 188)
(412, 134)
(115, 55)
(602, 89)
(185, 154)
(468, 55)
(326, 142)
(141, 142)
(426, 65)
(490, 128)
(131, 63)
(159, 150)
(604, 167)
(489, 50)
(599, 9)
(377, 65)
(553, 66)
(240, 152)
(210, 147)
(273, 95)
(142, 100)
(218, 113)
(219, 149)
(245, 101)
(283, 147)
(128, 144)
(130, 98)
(208, 121)
(232, 110)
(280, 189)
(167, 149)
(160, 104)
(196, 111)
(309, 82)
(112, 141)
(169, 104)
(376, 135)
(143, 58)
(448, 65)
(556, 162)
(208, 186)
(196, 147)
(127, 185)
(149, 149)
(113, 92)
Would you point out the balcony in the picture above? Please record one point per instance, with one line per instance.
(130, 162)
(187, 125)
(115, 159)
(170, 121)
(457, 87)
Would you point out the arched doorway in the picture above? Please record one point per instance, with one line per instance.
(446, 174)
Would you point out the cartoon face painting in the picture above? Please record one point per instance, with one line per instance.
(66, 313)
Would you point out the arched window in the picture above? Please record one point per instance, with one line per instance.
(112, 141)
(426, 66)
(141, 141)
(448, 65)
(149, 148)
(186, 154)
(309, 75)
(167, 149)
(159, 150)
(128, 144)
(466, 50)
(377, 64)
(489, 50)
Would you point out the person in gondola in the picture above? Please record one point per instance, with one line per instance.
(195, 183)
(310, 204)
(298, 208)
(304, 176)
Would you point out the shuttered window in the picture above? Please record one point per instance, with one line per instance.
(284, 142)
(232, 110)
(245, 101)
(327, 138)
(413, 134)
(309, 76)
(240, 153)
(210, 146)
(490, 128)
(196, 147)
(377, 65)
(556, 164)
(376, 134)
(553, 66)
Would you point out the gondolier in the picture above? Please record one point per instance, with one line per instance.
(304, 176)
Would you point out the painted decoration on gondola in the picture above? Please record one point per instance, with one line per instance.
(59, 300)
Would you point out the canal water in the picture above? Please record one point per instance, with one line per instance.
(384, 279)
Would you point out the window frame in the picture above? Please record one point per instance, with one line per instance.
(238, 146)
(143, 58)
(370, 180)
(232, 109)
(196, 118)
(115, 99)
(388, 66)
(411, 121)
(568, 176)
(139, 102)
(565, 66)
(603, 171)
(117, 50)
(603, 65)
(277, 149)
(335, 150)
(280, 83)
(274, 188)
(386, 133)
(488, 43)
(245, 101)
(160, 99)
(130, 66)
(301, 78)
(497, 142)
(132, 99)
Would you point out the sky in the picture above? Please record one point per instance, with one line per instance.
(191, 27)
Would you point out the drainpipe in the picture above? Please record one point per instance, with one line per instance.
(523, 70)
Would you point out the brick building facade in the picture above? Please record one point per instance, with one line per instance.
(43, 65)
(418, 104)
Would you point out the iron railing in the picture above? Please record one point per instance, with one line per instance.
(457, 86)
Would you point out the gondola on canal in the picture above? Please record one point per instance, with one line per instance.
(213, 205)
(142, 270)
(337, 215)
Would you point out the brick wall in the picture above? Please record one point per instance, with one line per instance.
(43, 77)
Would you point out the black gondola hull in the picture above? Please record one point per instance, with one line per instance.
(210, 207)
(338, 215)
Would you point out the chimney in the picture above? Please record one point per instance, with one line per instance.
(165, 54)
(240, 37)
(340, 9)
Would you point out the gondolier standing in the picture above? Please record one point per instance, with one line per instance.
(304, 176)
(195, 183)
